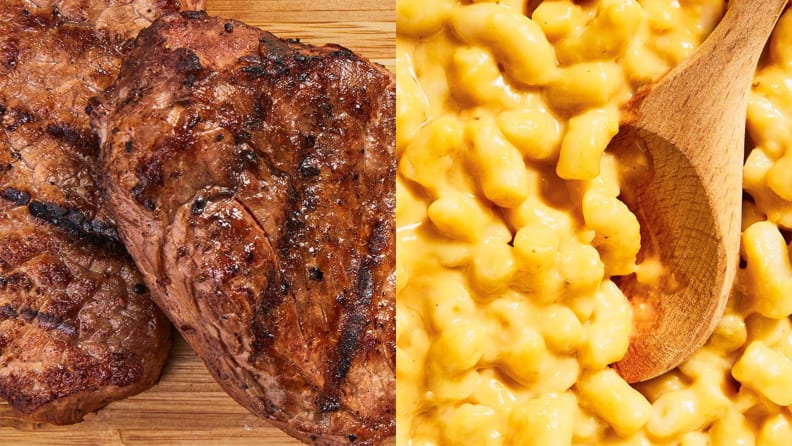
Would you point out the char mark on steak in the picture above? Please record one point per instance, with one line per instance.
(77, 327)
(258, 200)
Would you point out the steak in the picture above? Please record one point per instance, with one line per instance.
(253, 182)
(77, 327)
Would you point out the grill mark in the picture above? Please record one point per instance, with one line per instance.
(48, 321)
(354, 325)
(28, 314)
(294, 222)
(265, 321)
(7, 311)
(381, 234)
(74, 222)
(359, 298)
(364, 285)
(352, 330)
(348, 344)
(84, 142)
(16, 196)
(293, 228)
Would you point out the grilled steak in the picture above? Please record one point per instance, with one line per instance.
(77, 327)
(253, 181)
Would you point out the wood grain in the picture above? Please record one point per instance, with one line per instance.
(187, 407)
(365, 26)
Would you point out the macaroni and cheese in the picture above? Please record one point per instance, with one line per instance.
(510, 229)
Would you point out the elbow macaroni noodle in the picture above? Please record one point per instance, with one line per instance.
(510, 229)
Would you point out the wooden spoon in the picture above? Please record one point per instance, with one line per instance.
(683, 146)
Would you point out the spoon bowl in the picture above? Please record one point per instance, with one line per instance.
(682, 146)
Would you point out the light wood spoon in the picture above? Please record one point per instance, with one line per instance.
(683, 146)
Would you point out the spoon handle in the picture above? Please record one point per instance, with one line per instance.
(716, 77)
(741, 35)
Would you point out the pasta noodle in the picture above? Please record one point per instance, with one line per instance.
(510, 231)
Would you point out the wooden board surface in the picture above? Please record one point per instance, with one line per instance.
(187, 407)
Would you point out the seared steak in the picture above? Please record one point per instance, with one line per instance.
(253, 181)
(77, 327)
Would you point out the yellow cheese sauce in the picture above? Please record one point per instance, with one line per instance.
(510, 231)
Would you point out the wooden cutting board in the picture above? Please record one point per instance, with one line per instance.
(187, 407)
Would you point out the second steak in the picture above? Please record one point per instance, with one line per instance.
(253, 181)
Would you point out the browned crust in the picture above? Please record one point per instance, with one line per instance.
(254, 182)
(77, 327)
